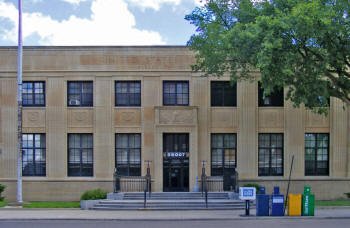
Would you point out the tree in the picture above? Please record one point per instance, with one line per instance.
(303, 45)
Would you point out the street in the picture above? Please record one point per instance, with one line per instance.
(261, 223)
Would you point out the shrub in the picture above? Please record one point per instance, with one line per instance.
(347, 194)
(94, 195)
(256, 186)
(2, 188)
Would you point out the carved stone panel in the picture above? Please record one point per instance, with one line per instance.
(34, 118)
(314, 120)
(224, 117)
(271, 118)
(176, 115)
(80, 118)
(127, 117)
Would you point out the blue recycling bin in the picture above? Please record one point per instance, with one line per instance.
(277, 203)
(262, 203)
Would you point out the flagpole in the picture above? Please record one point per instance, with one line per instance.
(19, 105)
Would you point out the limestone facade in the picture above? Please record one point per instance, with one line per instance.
(56, 66)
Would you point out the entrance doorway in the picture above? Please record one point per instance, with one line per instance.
(176, 162)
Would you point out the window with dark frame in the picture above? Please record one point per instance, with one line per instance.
(223, 94)
(316, 154)
(223, 153)
(80, 155)
(34, 155)
(127, 93)
(80, 93)
(176, 93)
(176, 142)
(33, 94)
(275, 99)
(270, 155)
(128, 154)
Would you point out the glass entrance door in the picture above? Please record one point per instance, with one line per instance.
(175, 163)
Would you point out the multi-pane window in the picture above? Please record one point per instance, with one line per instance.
(80, 93)
(223, 153)
(276, 98)
(80, 159)
(34, 155)
(127, 93)
(176, 143)
(128, 154)
(223, 94)
(175, 93)
(270, 154)
(33, 94)
(316, 154)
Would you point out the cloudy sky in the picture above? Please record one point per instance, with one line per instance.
(97, 22)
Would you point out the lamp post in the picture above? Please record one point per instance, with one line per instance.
(148, 177)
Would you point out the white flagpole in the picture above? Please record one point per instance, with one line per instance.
(19, 103)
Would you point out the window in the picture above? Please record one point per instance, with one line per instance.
(128, 154)
(223, 153)
(316, 154)
(33, 94)
(34, 155)
(176, 143)
(80, 94)
(128, 93)
(80, 160)
(223, 94)
(274, 99)
(175, 93)
(270, 154)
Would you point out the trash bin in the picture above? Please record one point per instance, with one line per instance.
(294, 204)
(262, 203)
(308, 202)
(277, 203)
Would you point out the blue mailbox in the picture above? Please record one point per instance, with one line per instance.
(262, 203)
(277, 202)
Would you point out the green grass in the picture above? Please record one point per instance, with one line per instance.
(3, 204)
(52, 205)
(332, 202)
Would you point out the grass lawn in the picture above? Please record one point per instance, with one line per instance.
(332, 202)
(3, 204)
(52, 205)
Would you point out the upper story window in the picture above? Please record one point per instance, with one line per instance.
(34, 155)
(127, 93)
(33, 94)
(80, 93)
(274, 99)
(175, 93)
(316, 154)
(270, 155)
(223, 94)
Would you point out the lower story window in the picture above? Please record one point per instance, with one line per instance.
(270, 154)
(80, 159)
(128, 154)
(34, 155)
(316, 154)
(223, 153)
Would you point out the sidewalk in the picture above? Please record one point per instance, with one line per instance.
(77, 214)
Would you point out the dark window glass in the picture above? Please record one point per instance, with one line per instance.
(33, 94)
(128, 93)
(80, 159)
(223, 94)
(270, 154)
(223, 153)
(128, 154)
(316, 154)
(80, 94)
(274, 99)
(175, 93)
(34, 155)
(177, 142)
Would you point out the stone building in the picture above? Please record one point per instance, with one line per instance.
(89, 110)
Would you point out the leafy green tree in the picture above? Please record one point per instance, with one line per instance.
(303, 45)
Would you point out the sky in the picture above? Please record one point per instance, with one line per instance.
(97, 22)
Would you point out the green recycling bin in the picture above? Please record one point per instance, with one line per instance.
(308, 202)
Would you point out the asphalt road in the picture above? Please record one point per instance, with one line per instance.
(261, 223)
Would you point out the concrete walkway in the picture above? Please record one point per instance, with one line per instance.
(77, 214)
